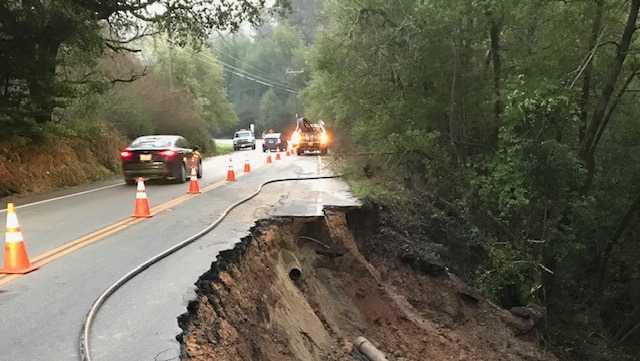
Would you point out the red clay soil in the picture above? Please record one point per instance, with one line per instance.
(248, 307)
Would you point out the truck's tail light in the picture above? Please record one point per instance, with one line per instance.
(324, 138)
(295, 137)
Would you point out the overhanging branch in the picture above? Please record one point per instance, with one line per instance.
(131, 79)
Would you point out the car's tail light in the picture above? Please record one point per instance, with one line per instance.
(125, 154)
(168, 153)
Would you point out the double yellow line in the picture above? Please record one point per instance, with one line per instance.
(102, 233)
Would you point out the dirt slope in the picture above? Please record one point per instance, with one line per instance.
(57, 162)
(249, 307)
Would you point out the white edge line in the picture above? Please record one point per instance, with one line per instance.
(77, 194)
(65, 196)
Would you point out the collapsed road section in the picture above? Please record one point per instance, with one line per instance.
(302, 288)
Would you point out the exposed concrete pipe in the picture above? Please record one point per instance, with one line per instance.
(369, 350)
(292, 265)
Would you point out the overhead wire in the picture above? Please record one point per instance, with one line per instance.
(248, 75)
(256, 69)
(226, 44)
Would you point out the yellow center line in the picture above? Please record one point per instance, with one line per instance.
(109, 230)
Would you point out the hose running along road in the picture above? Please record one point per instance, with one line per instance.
(85, 345)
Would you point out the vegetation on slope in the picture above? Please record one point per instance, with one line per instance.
(508, 125)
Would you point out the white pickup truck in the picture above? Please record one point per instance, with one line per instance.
(243, 139)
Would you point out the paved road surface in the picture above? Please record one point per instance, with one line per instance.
(42, 312)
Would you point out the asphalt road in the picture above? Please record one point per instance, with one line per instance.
(42, 312)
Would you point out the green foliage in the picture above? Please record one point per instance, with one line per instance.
(531, 163)
(201, 75)
(182, 94)
(258, 80)
(49, 50)
(414, 85)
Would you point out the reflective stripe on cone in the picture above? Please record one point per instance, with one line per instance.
(16, 260)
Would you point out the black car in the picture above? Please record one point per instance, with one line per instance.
(274, 142)
(160, 157)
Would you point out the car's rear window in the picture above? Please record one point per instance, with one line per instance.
(243, 134)
(152, 142)
(272, 135)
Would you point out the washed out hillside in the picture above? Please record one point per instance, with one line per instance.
(416, 179)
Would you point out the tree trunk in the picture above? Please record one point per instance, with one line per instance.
(42, 80)
(614, 105)
(452, 96)
(588, 70)
(620, 231)
(495, 34)
(589, 143)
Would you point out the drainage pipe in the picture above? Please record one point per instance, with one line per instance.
(292, 265)
(369, 350)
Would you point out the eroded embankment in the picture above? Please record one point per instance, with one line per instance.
(58, 162)
(251, 306)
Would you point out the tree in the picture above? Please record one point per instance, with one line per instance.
(607, 102)
(513, 121)
(36, 36)
(263, 64)
(270, 110)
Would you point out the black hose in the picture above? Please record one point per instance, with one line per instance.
(85, 347)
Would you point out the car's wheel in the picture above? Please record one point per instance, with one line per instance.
(264, 150)
(253, 147)
(199, 171)
(130, 181)
(235, 148)
(181, 174)
(299, 151)
(323, 151)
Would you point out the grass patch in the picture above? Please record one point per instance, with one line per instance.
(222, 149)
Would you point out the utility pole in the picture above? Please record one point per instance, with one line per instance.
(294, 73)
(170, 43)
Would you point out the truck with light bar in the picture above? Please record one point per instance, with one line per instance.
(310, 137)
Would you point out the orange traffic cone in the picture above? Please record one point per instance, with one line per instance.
(269, 158)
(247, 165)
(142, 209)
(231, 174)
(278, 156)
(194, 186)
(16, 260)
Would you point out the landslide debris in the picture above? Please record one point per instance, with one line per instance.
(250, 306)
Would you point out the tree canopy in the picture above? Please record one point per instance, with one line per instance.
(518, 121)
(49, 48)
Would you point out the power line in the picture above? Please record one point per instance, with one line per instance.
(228, 45)
(254, 75)
(246, 63)
(247, 75)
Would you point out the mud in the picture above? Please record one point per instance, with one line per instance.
(250, 306)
